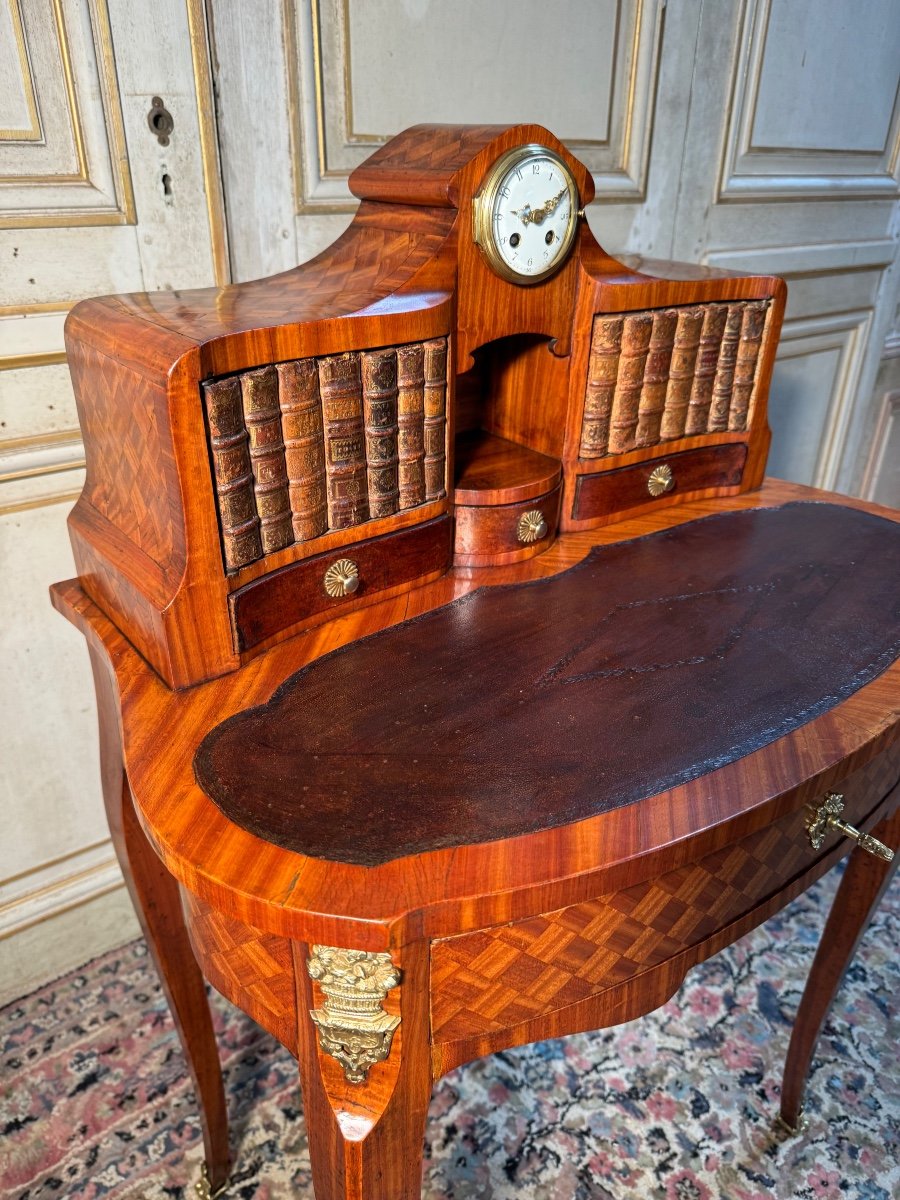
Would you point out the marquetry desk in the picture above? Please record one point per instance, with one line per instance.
(461, 683)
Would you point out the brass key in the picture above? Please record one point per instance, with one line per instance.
(826, 817)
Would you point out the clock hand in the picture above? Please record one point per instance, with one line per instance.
(548, 206)
(536, 216)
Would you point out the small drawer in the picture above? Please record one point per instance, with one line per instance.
(657, 479)
(275, 602)
(488, 535)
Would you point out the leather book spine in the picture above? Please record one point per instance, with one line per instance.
(629, 381)
(411, 419)
(603, 368)
(724, 380)
(230, 446)
(681, 372)
(435, 424)
(745, 367)
(262, 416)
(705, 369)
(304, 446)
(340, 386)
(379, 384)
(656, 378)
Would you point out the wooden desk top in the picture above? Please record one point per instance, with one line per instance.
(439, 891)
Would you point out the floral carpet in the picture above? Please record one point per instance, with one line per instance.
(94, 1100)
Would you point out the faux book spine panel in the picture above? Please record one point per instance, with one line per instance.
(670, 373)
(318, 444)
(262, 416)
(229, 443)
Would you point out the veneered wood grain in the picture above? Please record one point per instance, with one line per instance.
(491, 470)
(278, 600)
(640, 993)
(486, 982)
(488, 535)
(252, 969)
(365, 1141)
(449, 891)
(610, 494)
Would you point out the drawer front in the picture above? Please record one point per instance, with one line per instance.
(487, 981)
(275, 602)
(610, 492)
(491, 535)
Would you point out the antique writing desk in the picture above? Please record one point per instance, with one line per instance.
(460, 682)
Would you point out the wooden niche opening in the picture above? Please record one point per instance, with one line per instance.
(510, 426)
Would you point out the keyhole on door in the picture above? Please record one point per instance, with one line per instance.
(160, 120)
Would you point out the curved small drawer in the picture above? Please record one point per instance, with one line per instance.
(490, 535)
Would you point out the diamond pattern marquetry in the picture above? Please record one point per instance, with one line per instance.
(132, 432)
(488, 981)
(251, 968)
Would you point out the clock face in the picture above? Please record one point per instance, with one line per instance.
(526, 214)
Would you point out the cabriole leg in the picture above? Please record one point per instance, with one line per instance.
(154, 893)
(365, 1069)
(864, 882)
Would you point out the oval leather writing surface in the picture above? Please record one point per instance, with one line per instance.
(527, 706)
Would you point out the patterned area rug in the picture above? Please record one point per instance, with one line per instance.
(676, 1106)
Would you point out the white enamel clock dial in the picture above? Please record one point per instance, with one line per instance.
(526, 214)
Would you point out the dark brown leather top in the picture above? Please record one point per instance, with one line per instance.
(528, 706)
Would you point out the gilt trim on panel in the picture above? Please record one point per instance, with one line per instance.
(198, 31)
(90, 204)
(53, 887)
(750, 172)
(32, 336)
(33, 133)
(41, 454)
(320, 186)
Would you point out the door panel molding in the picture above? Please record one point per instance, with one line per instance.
(844, 338)
(885, 437)
(14, 52)
(323, 106)
(45, 890)
(823, 258)
(754, 171)
(76, 172)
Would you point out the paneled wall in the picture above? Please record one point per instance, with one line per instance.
(791, 165)
(90, 203)
(758, 134)
(755, 134)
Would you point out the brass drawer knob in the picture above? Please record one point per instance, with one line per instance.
(342, 578)
(825, 817)
(661, 480)
(531, 527)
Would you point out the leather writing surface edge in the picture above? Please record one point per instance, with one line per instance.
(588, 690)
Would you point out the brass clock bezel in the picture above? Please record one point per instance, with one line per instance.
(483, 203)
